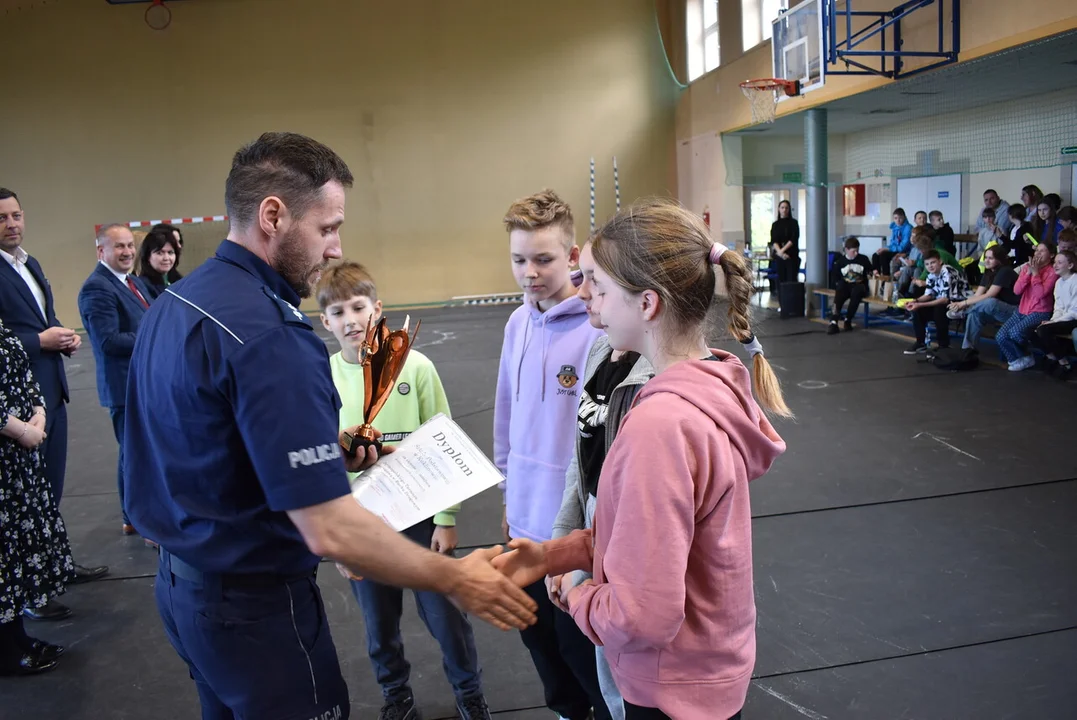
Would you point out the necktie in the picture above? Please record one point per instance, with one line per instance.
(134, 289)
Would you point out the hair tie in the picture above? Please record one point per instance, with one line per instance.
(716, 252)
(753, 346)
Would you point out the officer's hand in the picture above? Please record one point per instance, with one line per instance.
(484, 592)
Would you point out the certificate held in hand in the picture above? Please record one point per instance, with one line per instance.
(433, 468)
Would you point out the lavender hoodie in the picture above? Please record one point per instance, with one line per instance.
(538, 392)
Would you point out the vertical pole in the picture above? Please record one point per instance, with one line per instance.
(592, 194)
(616, 186)
(815, 240)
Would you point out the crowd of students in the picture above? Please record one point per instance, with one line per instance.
(1021, 267)
(601, 371)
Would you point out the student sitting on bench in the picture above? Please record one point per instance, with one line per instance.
(943, 286)
(850, 275)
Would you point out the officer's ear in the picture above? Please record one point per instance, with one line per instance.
(271, 212)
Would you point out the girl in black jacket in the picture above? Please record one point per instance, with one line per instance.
(784, 244)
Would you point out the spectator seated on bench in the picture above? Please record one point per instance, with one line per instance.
(942, 286)
(994, 300)
(1035, 285)
(849, 275)
(1053, 335)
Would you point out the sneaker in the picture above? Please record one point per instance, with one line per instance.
(916, 349)
(847, 326)
(1022, 363)
(473, 708)
(833, 329)
(401, 709)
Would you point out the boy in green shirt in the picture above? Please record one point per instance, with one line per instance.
(348, 300)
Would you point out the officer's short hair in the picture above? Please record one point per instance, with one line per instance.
(290, 166)
(342, 282)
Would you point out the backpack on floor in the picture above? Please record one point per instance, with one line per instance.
(955, 359)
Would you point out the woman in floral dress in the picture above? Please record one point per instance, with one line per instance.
(35, 558)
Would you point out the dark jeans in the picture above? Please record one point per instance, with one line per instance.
(851, 292)
(382, 607)
(565, 660)
(118, 415)
(635, 712)
(880, 261)
(920, 319)
(55, 451)
(1055, 338)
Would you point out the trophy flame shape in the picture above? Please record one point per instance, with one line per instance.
(382, 357)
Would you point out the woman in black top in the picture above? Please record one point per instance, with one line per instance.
(784, 244)
(157, 260)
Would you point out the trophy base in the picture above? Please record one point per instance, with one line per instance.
(360, 437)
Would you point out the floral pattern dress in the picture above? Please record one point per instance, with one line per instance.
(35, 557)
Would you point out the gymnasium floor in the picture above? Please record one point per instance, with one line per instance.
(914, 549)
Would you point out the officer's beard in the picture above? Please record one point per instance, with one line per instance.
(293, 264)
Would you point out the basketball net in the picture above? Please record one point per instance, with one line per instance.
(764, 95)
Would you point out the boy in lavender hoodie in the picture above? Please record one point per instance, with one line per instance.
(545, 350)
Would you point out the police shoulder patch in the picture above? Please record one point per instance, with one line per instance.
(289, 313)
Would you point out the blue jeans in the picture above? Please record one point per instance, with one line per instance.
(1014, 334)
(382, 606)
(990, 310)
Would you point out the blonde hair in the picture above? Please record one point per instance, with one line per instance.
(541, 210)
(658, 245)
(342, 282)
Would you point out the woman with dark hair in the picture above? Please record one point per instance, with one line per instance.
(35, 557)
(157, 259)
(1046, 225)
(784, 244)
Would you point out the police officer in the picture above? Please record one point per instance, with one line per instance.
(232, 462)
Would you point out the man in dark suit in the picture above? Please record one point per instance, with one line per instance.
(28, 310)
(112, 302)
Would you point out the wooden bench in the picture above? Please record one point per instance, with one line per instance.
(826, 296)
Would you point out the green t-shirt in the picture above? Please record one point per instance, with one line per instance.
(417, 397)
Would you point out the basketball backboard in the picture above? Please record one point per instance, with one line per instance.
(797, 43)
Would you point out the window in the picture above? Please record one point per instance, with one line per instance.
(703, 45)
(758, 17)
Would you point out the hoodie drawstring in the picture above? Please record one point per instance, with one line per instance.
(523, 353)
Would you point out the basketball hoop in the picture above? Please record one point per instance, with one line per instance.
(158, 16)
(764, 95)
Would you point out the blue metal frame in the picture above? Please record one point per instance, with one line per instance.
(890, 60)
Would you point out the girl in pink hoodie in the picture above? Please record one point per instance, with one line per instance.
(671, 601)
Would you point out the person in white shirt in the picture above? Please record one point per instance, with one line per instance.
(1053, 335)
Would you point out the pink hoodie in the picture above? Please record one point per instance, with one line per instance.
(672, 600)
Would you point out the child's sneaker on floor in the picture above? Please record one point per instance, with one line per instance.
(833, 329)
(473, 708)
(400, 709)
(916, 349)
(847, 326)
(1022, 363)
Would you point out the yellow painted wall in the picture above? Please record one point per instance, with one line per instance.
(445, 111)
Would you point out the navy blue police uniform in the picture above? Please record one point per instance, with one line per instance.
(232, 421)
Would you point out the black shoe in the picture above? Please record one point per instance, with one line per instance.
(473, 708)
(916, 349)
(53, 610)
(29, 665)
(400, 709)
(1061, 372)
(833, 329)
(46, 652)
(847, 326)
(85, 574)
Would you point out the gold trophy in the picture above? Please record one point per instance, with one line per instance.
(382, 356)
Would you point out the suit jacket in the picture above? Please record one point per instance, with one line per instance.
(111, 314)
(22, 316)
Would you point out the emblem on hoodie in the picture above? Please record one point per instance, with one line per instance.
(567, 377)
